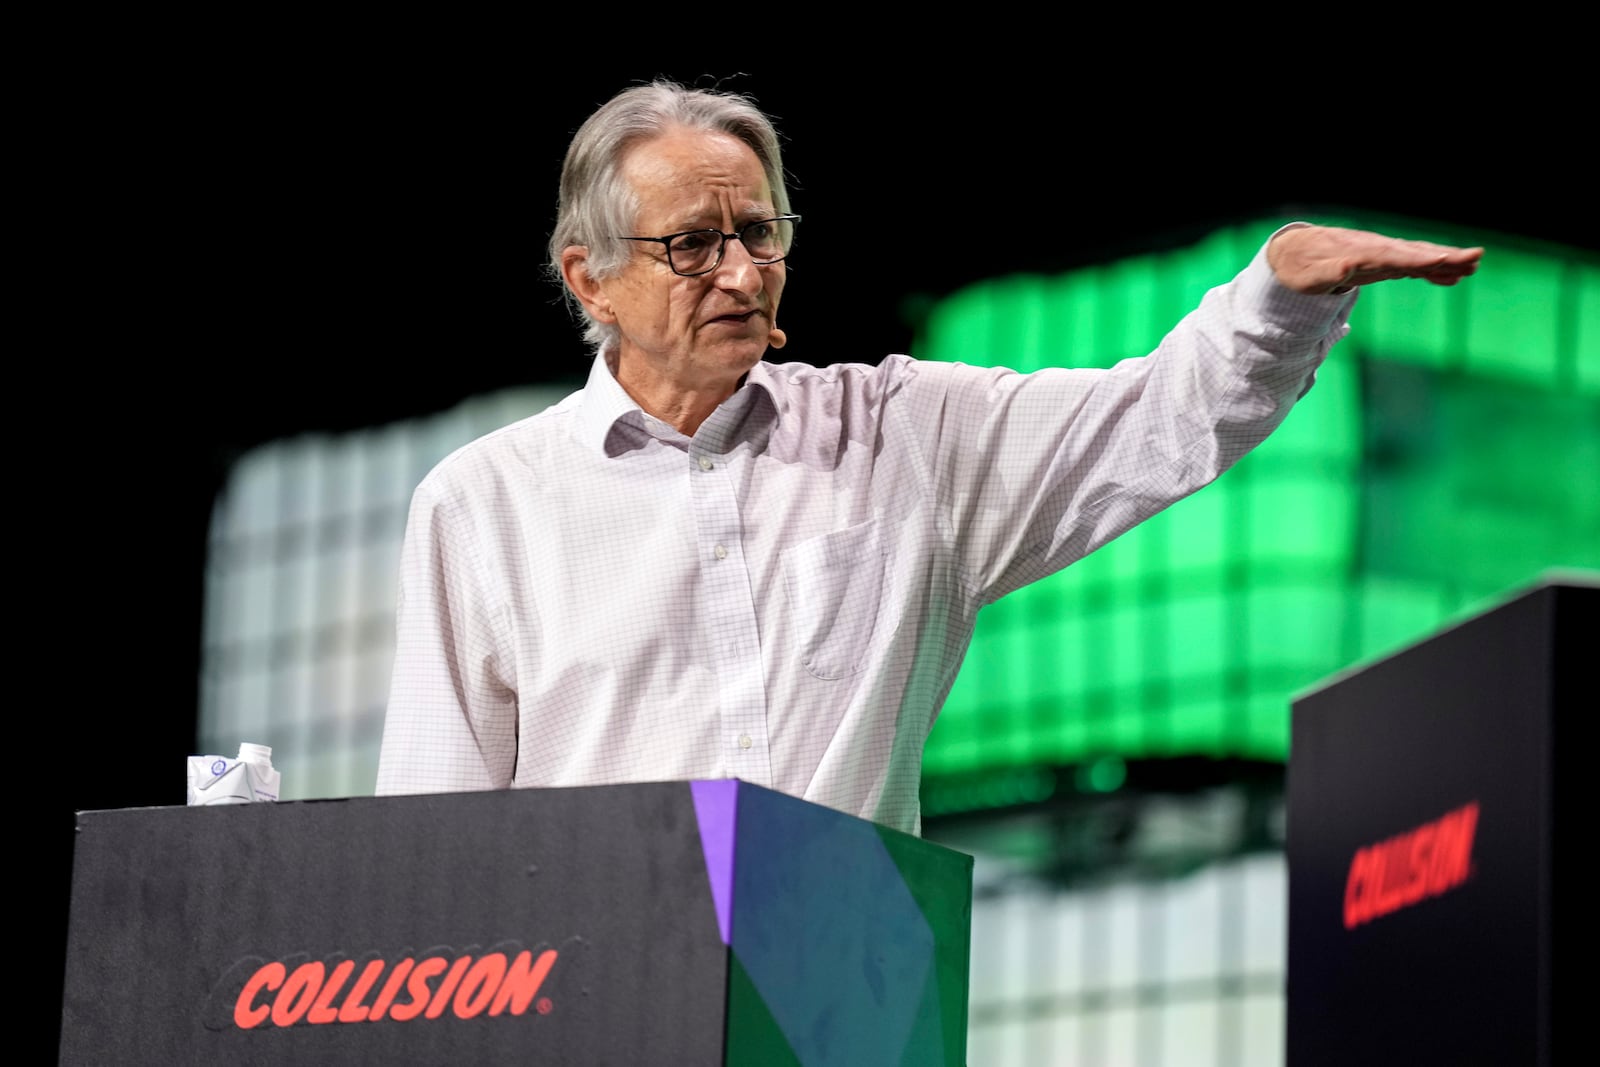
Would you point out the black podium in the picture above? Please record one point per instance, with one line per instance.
(1423, 800)
(674, 923)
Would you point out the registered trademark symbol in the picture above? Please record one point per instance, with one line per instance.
(543, 1006)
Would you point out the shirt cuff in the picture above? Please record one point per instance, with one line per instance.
(1295, 313)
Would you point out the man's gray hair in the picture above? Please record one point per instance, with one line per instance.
(597, 206)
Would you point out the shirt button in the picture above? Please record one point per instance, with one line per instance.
(720, 552)
(705, 463)
(744, 741)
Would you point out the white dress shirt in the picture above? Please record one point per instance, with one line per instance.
(588, 596)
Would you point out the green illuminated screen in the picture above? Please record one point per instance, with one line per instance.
(1449, 453)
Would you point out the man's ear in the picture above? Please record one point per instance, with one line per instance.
(575, 271)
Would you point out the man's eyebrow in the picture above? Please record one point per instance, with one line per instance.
(712, 220)
(758, 214)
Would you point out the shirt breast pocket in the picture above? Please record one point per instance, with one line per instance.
(834, 583)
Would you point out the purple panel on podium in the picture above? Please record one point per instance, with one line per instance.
(716, 808)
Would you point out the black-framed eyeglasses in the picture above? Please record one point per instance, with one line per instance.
(695, 252)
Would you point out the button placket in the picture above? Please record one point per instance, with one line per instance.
(730, 616)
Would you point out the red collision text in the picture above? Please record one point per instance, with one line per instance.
(464, 986)
(1410, 867)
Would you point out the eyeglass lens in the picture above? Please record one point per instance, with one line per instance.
(767, 241)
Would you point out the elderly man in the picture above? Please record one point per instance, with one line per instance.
(704, 565)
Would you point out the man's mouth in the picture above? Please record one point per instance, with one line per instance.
(737, 317)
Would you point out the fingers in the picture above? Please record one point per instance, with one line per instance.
(1439, 259)
(1432, 263)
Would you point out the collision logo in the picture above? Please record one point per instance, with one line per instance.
(298, 991)
(1410, 867)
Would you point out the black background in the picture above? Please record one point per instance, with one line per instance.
(242, 241)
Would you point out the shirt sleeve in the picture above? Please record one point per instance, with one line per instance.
(451, 723)
(1035, 471)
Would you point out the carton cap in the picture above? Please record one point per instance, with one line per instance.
(258, 754)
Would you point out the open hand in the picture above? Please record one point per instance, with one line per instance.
(1329, 259)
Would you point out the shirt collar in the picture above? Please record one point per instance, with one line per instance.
(605, 405)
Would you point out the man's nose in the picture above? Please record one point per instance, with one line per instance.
(737, 269)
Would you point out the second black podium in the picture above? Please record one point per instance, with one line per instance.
(1425, 794)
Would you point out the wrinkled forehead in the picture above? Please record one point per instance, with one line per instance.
(689, 178)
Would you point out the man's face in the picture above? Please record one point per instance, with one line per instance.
(702, 332)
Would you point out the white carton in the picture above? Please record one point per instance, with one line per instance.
(245, 780)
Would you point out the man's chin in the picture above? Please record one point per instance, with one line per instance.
(748, 347)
